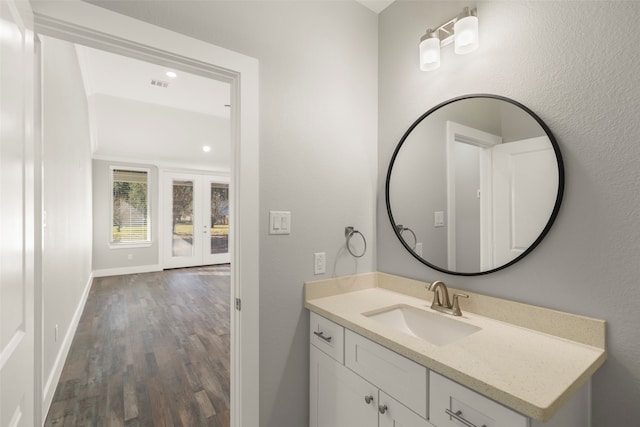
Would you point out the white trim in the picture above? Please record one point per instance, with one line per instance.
(486, 210)
(120, 271)
(457, 132)
(84, 23)
(132, 245)
(54, 376)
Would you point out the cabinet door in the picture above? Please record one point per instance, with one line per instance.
(398, 376)
(337, 395)
(395, 414)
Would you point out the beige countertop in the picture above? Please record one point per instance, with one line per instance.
(528, 358)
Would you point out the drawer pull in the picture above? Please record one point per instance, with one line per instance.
(321, 335)
(368, 399)
(458, 416)
(382, 408)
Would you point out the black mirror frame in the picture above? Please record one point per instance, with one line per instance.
(556, 207)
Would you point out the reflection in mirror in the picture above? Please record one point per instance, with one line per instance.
(478, 181)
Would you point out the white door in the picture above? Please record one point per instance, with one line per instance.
(525, 183)
(338, 396)
(16, 215)
(196, 224)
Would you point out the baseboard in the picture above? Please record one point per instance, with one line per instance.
(127, 270)
(54, 377)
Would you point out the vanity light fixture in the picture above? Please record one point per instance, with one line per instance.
(462, 30)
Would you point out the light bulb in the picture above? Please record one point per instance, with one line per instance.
(466, 34)
(429, 52)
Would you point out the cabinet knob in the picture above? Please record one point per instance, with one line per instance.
(368, 399)
(382, 408)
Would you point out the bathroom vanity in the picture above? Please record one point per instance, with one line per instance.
(379, 356)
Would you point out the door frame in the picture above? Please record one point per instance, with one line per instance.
(459, 133)
(90, 25)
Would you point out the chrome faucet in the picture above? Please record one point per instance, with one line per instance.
(441, 299)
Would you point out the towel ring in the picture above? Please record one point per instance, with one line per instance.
(349, 232)
(401, 229)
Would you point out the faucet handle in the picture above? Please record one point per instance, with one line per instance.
(455, 306)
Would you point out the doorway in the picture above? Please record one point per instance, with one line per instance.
(196, 220)
(83, 23)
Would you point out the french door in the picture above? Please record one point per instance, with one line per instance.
(196, 220)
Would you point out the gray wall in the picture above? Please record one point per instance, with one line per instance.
(105, 257)
(586, 89)
(66, 257)
(318, 156)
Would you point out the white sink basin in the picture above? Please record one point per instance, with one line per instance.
(435, 328)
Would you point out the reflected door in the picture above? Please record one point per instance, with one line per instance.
(196, 226)
(525, 180)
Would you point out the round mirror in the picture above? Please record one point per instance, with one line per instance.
(474, 184)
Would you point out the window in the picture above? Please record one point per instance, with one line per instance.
(130, 206)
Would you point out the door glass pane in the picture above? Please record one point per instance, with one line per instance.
(219, 218)
(182, 242)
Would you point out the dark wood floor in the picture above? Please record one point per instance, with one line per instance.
(150, 350)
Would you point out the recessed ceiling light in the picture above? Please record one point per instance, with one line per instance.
(171, 74)
(206, 148)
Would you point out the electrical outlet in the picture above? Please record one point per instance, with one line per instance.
(419, 248)
(320, 263)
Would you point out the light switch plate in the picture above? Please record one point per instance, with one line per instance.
(438, 219)
(319, 263)
(279, 222)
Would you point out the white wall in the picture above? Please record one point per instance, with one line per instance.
(107, 260)
(318, 156)
(67, 202)
(576, 65)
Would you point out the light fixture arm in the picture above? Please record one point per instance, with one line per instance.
(445, 31)
(461, 30)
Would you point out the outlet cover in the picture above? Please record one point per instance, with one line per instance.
(320, 263)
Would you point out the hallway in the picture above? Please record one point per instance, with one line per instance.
(150, 349)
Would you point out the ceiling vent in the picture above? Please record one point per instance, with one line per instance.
(159, 83)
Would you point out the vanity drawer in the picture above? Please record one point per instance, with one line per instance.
(401, 378)
(478, 410)
(327, 336)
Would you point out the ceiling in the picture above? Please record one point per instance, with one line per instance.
(138, 113)
(376, 5)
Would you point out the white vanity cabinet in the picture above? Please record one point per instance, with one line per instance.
(355, 382)
(339, 397)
